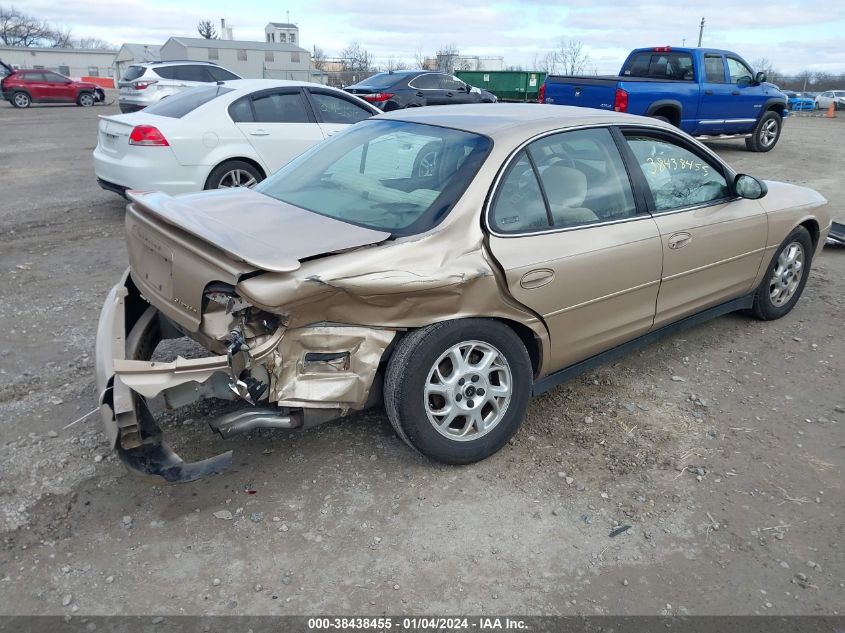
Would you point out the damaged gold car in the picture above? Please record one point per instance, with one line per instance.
(446, 262)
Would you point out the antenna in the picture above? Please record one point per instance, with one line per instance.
(700, 31)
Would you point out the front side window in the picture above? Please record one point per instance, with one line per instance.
(578, 178)
(425, 82)
(387, 175)
(332, 109)
(280, 107)
(676, 176)
(53, 78)
(447, 82)
(193, 73)
(739, 72)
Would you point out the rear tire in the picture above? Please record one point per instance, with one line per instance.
(457, 391)
(233, 173)
(766, 134)
(85, 99)
(785, 277)
(21, 100)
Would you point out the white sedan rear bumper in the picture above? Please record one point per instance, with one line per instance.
(148, 169)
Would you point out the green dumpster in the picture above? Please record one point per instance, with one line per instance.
(507, 85)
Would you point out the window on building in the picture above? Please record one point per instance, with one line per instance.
(37, 67)
(269, 57)
(213, 53)
(293, 38)
(64, 70)
(241, 55)
(268, 37)
(294, 57)
(93, 71)
(282, 37)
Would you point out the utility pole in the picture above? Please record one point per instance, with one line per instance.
(700, 31)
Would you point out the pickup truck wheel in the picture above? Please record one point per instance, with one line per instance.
(785, 277)
(457, 391)
(766, 134)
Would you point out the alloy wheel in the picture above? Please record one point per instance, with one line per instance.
(21, 100)
(86, 100)
(237, 178)
(787, 273)
(769, 133)
(468, 390)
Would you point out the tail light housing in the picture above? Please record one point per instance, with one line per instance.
(541, 95)
(142, 85)
(148, 136)
(377, 97)
(620, 101)
(662, 49)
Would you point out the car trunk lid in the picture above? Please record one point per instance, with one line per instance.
(177, 246)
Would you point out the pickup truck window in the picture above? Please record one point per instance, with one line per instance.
(676, 176)
(660, 65)
(739, 71)
(714, 69)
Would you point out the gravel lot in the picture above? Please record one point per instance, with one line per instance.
(346, 519)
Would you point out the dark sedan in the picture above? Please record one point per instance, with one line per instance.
(412, 88)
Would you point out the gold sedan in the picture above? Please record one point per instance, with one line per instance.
(446, 262)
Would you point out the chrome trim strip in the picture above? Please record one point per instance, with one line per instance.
(605, 297)
(692, 271)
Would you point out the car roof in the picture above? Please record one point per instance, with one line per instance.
(492, 119)
(259, 84)
(173, 62)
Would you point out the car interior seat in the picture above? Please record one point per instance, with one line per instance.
(566, 189)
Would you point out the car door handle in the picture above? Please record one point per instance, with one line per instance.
(537, 278)
(678, 240)
(449, 94)
(708, 92)
(260, 133)
(420, 94)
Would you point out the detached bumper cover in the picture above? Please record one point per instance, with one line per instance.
(130, 427)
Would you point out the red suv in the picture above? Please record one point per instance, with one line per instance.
(22, 87)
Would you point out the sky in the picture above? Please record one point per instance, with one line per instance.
(793, 35)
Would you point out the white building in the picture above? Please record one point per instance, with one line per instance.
(250, 60)
(132, 54)
(474, 62)
(71, 62)
(282, 32)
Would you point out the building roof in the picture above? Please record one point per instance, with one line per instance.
(283, 25)
(46, 49)
(143, 52)
(199, 42)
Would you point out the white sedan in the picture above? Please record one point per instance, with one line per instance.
(232, 134)
(835, 97)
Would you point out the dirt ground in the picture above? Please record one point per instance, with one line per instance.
(722, 448)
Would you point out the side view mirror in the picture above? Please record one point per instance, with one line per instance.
(750, 187)
(760, 77)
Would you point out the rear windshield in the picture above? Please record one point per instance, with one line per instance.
(132, 73)
(381, 80)
(659, 65)
(182, 103)
(386, 175)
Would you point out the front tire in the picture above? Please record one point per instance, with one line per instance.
(86, 100)
(766, 134)
(785, 277)
(21, 100)
(234, 173)
(457, 391)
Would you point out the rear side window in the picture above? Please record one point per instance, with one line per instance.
(714, 69)
(519, 204)
(193, 73)
(425, 82)
(181, 104)
(381, 80)
(221, 74)
(132, 73)
(241, 111)
(334, 109)
(279, 107)
(660, 65)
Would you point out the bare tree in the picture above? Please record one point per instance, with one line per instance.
(318, 58)
(764, 65)
(395, 64)
(568, 58)
(447, 58)
(91, 43)
(19, 29)
(419, 60)
(356, 57)
(61, 38)
(206, 29)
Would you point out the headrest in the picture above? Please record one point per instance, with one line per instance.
(565, 186)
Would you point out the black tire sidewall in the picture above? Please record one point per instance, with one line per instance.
(763, 306)
(412, 417)
(217, 173)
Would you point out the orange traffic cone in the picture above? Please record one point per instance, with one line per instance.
(831, 111)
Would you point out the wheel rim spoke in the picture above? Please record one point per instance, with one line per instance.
(787, 274)
(468, 390)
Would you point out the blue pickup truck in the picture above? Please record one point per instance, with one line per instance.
(709, 93)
